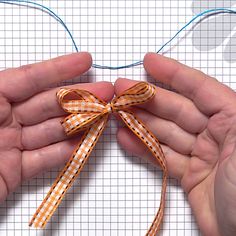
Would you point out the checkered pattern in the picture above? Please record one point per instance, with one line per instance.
(144, 134)
(90, 113)
(140, 93)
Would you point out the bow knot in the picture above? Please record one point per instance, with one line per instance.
(90, 113)
(109, 108)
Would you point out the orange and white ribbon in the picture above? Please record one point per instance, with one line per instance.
(89, 113)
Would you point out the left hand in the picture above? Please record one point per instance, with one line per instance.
(32, 139)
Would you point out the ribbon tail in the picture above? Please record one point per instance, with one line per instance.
(149, 139)
(67, 176)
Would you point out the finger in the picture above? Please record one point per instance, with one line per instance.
(168, 132)
(43, 134)
(209, 95)
(170, 106)
(44, 105)
(176, 163)
(3, 190)
(40, 160)
(20, 83)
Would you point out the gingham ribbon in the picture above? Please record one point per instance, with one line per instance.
(91, 113)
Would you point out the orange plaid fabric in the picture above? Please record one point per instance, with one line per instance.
(89, 113)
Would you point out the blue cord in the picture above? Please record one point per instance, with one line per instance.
(58, 18)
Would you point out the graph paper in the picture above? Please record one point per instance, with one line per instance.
(116, 194)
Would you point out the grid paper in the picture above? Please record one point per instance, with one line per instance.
(116, 194)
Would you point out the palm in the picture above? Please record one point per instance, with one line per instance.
(209, 171)
(196, 130)
(32, 138)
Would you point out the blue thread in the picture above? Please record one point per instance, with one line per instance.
(58, 18)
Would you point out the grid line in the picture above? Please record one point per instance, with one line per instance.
(116, 193)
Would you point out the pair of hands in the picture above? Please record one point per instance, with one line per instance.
(195, 126)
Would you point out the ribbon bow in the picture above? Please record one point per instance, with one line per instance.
(91, 113)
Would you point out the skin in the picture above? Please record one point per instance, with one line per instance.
(196, 127)
(32, 138)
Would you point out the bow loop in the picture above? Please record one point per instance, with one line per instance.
(79, 101)
(138, 94)
(81, 106)
(85, 109)
(77, 122)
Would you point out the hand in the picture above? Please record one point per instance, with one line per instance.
(197, 129)
(32, 139)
